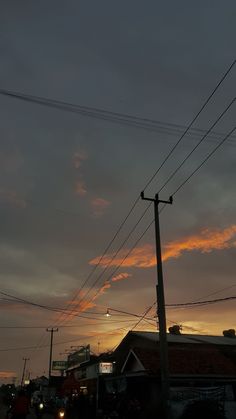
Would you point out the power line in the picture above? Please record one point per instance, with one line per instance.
(61, 343)
(23, 301)
(143, 316)
(123, 260)
(61, 104)
(198, 144)
(54, 309)
(205, 302)
(192, 122)
(111, 260)
(204, 161)
(182, 136)
(218, 291)
(107, 115)
(69, 326)
(183, 183)
(72, 107)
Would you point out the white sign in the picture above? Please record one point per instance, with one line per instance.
(105, 367)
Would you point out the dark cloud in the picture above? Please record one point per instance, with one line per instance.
(155, 60)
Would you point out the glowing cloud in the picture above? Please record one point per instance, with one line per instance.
(80, 188)
(90, 303)
(206, 242)
(141, 257)
(7, 374)
(120, 277)
(11, 197)
(144, 257)
(84, 304)
(99, 206)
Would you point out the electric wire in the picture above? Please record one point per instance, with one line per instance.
(143, 316)
(182, 184)
(110, 116)
(204, 161)
(185, 132)
(61, 343)
(202, 303)
(112, 258)
(86, 109)
(197, 145)
(175, 192)
(31, 303)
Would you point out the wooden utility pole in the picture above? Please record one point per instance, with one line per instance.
(23, 372)
(52, 330)
(161, 314)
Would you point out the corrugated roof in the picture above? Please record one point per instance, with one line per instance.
(187, 338)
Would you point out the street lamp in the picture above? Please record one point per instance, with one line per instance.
(109, 309)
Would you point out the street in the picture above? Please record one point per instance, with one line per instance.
(31, 415)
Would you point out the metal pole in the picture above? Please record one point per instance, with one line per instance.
(52, 330)
(161, 307)
(23, 372)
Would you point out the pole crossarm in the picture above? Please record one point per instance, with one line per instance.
(156, 199)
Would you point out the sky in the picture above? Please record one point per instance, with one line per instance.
(67, 180)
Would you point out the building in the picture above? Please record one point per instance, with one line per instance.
(201, 367)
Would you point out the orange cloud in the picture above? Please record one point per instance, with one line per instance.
(85, 305)
(90, 302)
(99, 206)
(80, 188)
(120, 277)
(7, 374)
(144, 256)
(78, 157)
(141, 257)
(11, 197)
(206, 242)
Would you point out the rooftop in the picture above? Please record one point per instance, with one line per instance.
(187, 338)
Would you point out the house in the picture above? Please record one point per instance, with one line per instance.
(200, 367)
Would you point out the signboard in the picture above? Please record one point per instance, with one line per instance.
(105, 368)
(59, 365)
(79, 357)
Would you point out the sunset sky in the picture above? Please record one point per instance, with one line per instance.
(67, 181)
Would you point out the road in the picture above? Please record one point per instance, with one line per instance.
(3, 411)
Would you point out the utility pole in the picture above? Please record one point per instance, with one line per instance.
(23, 372)
(161, 314)
(52, 330)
